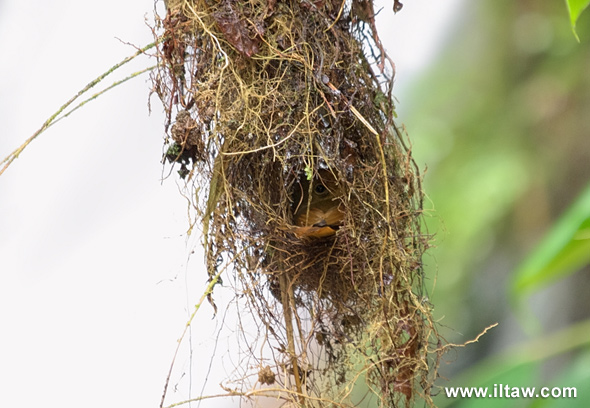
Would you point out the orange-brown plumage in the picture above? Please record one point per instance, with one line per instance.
(318, 211)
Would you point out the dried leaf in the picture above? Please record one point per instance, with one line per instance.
(234, 28)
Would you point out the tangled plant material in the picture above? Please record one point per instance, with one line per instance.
(263, 96)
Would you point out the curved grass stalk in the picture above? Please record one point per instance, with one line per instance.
(7, 161)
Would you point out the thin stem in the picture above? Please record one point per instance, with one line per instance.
(7, 161)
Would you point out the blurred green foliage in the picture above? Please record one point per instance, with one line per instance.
(564, 250)
(522, 366)
(502, 123)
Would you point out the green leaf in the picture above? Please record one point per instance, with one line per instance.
(564, 250)
(575, 8)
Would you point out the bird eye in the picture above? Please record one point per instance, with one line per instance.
(320, 189)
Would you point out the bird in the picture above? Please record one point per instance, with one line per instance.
(321, 215)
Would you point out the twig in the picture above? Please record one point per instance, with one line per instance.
(286, 296)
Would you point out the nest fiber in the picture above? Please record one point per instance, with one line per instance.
(280, 115)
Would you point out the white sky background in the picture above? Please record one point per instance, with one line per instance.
(95, 283)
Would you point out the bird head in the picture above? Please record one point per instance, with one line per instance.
(317, 202)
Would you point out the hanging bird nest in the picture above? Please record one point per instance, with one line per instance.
(280, 115)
